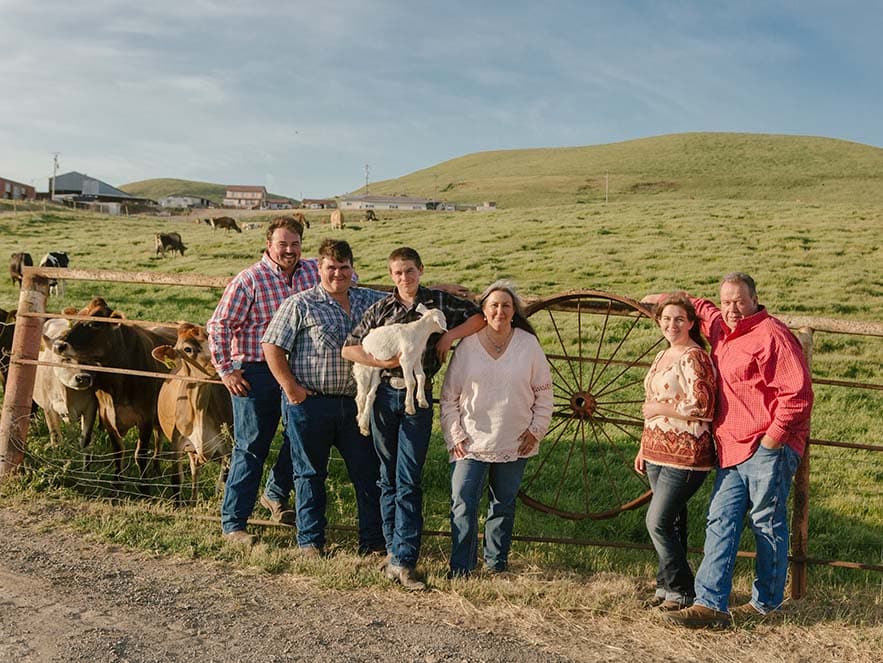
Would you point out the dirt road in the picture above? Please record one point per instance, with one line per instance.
(65, 597)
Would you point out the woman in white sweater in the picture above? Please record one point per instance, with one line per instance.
(496, 405)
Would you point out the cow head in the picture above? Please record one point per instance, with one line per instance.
(87, 340)
(190, 350)
(69, 376)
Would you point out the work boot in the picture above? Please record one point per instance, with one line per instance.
(374, 558)
(279, 511)
(653, 602)
(310, 552)
(746, 614)
(669, 605)
(698, 616)
(239, 537)
(405, 576)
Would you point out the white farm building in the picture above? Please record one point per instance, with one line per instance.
(386, 202)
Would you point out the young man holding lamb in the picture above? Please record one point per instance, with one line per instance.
(401, 439)
(302, 346)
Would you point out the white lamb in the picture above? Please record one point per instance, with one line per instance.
(408, 340)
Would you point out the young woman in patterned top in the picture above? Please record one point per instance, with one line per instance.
(677, 450)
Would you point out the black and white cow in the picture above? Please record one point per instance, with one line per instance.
(60, 260)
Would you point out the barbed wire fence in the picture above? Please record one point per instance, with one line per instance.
(92, 472)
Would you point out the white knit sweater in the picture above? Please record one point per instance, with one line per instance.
(491, 402)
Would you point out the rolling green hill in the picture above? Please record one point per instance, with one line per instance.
(158, 188)
(702, 166)
(693, 165)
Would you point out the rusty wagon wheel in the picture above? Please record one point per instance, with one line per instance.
(599, 347)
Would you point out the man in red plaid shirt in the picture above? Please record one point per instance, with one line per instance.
(235, 330)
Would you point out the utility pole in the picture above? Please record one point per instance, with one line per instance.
(367, 173)
(606, 184)
(54, 174)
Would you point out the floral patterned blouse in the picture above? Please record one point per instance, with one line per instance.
(688, 384)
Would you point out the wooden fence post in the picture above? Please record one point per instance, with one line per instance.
(16, 413)
(800, 511)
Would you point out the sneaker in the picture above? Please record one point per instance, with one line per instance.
(405, 576)
(279, 511)
(746, 614)
(239, 537)
(698, 616)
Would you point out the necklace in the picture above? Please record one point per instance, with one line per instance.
(498, 348)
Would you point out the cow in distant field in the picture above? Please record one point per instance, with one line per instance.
(16, 262)
(370, 215)
(228, 223)
(168, 242)
(64, 393)
(124, 401)
(196, 416)
(337, 220)
(251, 226)
(7, 329)
(56, 259)
(305, 222)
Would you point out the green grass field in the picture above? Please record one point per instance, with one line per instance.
(819, 256)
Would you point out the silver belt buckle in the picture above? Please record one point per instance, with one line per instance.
(397, 383)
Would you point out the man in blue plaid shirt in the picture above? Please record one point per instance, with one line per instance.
(302, 347)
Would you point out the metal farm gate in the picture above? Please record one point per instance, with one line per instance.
(599, 346)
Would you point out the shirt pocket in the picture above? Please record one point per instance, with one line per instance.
(323, 334)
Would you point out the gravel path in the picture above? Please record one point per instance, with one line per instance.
(64, 598)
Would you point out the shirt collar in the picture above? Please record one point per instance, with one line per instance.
(423, 296)
(745, 325)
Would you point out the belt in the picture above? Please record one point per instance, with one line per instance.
(393, 381)
(399, 383)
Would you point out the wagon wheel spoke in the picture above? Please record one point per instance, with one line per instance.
(627, 366)
(600, 343)
(585, 465)
(612, 358)
(563, 347)
(546, 452)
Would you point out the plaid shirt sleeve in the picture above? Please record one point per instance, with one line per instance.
(369, 321)
(283, 328)
(456, 310)
(233, 307)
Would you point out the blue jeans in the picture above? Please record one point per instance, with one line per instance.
(314, 426)
(401, 442)
(667, 525)
(467, 482)
(255, 419)
(759, 487)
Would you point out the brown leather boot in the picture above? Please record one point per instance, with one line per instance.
(698, 616)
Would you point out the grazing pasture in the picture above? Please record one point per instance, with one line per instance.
(808, 259)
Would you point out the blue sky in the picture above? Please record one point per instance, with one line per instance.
(299, 96)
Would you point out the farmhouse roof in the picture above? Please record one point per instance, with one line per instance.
(80, 183)
(387, 199)
(6, 179)
(244, 188)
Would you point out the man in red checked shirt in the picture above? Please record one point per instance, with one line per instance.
(761, 425)
(235, 330)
